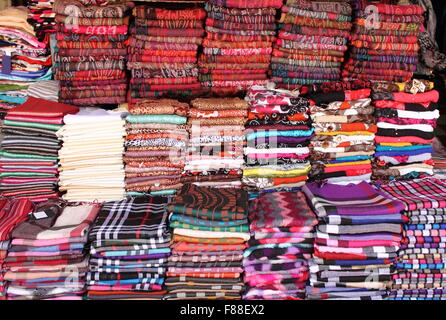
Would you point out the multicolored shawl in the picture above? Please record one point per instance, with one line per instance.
(210, 204)
(360, 199)
(281, 209)
(418, 194)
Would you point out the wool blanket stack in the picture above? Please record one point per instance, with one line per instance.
(384, 43)
(406, 116)
(217, 138)
(238, 44)
(29, 150)
(91, 164)
(129, 250)
(91, 49)
(276, 260)
(210, 229)
(312, 40)
(22, 56)
(343, 146)
(356, 241)
(278, 133)
(155, 146)
(163, 52)
(47, 259)
(421, 265)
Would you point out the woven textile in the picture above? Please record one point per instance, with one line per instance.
(130, 246)
(395, 34)
(353, 246)
(87, 30)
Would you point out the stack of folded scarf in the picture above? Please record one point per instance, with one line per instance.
(155, 146)
(129, 250)
(439, 158)
(278, 133)
(22, 56)
(12, 213)
(215, 154)
(421, 265)
(210, 228)
(91, 50)
(406, 116)
(356, 241)
(163, 52)
(276, 261)
(238, 44)
(91, 165)
(47, 258)
(29, 150)
(385, 43)
(343, 146)
(12, 94)
(42, 17)
(45, 89)
(311, 42)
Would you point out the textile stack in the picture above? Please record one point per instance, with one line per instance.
(439, 158)
(23, 58)
(42, 17)
(163, 52)
(47, 259)
(45, 89)
(91, 51)
(238, 44)
(276, 261)
(12, 94)
(217, 138)
(356, 241)
(155, 146)
(421, 263)
(311, 42)
(29, 150)
(406, 116)
(384, 43)
(343, 146)
(278, 133)
(129, 250)
(210, 229)
(93, 145)
(12, 213)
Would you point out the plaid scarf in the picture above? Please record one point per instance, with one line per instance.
(133, 218)
(418, 194)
